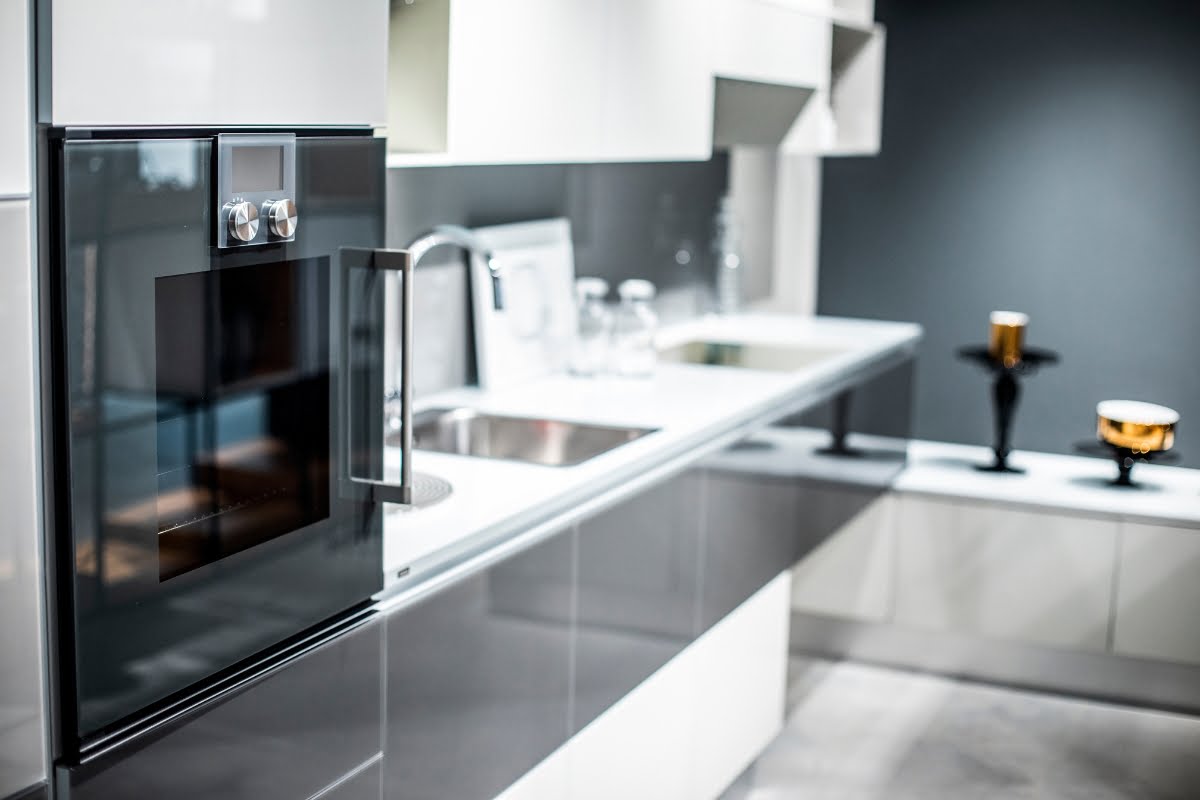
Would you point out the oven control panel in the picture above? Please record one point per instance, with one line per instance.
(256, 189)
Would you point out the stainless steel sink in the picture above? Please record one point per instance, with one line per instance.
(752, 355)
(550, 442)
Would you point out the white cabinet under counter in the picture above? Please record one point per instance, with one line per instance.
(1158, 593)
(14, 99)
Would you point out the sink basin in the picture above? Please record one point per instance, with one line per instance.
(752, 355)
(550, 442)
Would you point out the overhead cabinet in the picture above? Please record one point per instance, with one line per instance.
(223, 62)
(14, 99)
(521, 81)
(549, 81)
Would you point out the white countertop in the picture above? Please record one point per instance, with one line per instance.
(1165, 494)
(696, 409)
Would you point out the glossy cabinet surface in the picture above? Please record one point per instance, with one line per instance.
(1005, 573)
(365, 784)
(1158, 596)
(15, 84)
(850, 573)
(478, 684)
(752, 529)
(22, 761)
(638, 591)
(226, 62)
(289, 736)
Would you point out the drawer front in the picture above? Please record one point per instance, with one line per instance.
(287, 737)
(638, 590)
(752, 533)
(479, 678)
(762, 41)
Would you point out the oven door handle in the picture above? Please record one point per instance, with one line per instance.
(384, 261)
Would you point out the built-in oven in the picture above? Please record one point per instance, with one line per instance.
(216, 310)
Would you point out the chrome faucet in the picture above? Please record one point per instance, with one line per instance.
(461, 237)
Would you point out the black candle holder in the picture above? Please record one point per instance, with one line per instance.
(1006, 391)
(1126, 459)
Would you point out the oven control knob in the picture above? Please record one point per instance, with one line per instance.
(282, 217)
(242, 218)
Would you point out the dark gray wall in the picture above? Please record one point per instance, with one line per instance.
(627, 221)
(1043, 157)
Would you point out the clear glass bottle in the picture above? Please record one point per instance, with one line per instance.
(727, 236)
(589, 355)
(634, 330)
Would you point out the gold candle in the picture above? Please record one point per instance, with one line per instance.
(1140, 427)
(1006, 336)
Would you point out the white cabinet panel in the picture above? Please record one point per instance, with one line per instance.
(546, 781)
(850, 574)
(219, 62)
(741, 682)
(658, 80)
(641, 746)
(525, 79)
(1025, 575)
(14, 97)
(21, 724)
(1158, 595)
(758, 40)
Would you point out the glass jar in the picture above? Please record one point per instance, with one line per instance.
(589, 355)
(634, 354)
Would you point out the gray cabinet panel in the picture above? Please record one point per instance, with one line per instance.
(638, 591)
(287, 736)
(363, 785)
(752, 526)
(479, 678)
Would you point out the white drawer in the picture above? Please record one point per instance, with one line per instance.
(756, 40)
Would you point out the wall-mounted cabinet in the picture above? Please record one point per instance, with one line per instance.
(14, 98)
(143, 62)
(522, 81)
(845, 117)
(525, 81)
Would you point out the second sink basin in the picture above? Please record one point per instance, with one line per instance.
(549, 442)
(752, 355)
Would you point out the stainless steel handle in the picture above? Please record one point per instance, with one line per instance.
(401, 262)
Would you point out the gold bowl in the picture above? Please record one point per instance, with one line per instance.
(1140, 427)
(1006, 336)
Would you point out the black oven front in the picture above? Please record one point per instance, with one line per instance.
(217, 375)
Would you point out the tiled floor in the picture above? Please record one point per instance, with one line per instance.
(858, 732)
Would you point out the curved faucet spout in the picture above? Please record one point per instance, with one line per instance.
(460, 237)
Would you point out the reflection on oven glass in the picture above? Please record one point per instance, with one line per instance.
(243, 429)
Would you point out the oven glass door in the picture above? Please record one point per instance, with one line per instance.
(211, 399)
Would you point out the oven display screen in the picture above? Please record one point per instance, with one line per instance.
(257, 169)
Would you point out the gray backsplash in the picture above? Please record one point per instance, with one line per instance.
(1046, 166)
(627, 221)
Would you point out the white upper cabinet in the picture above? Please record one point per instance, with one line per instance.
(770, 42)
(14, 98)
(218, 62)
(658, 80)
(550, 81)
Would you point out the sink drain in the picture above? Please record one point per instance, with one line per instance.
(428, 490)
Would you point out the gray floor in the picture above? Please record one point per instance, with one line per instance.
(859, 732)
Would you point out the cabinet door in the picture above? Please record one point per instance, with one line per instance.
(638, 591)
(751, 534)
(143, 62)
(478, 679)
(1027, 575)
(740, 688)
(765, 41)
(14, 98)
(21, 721)
(1158, 594)
(658, 101)
(525, 79)
(849, 574)
(288, 736)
